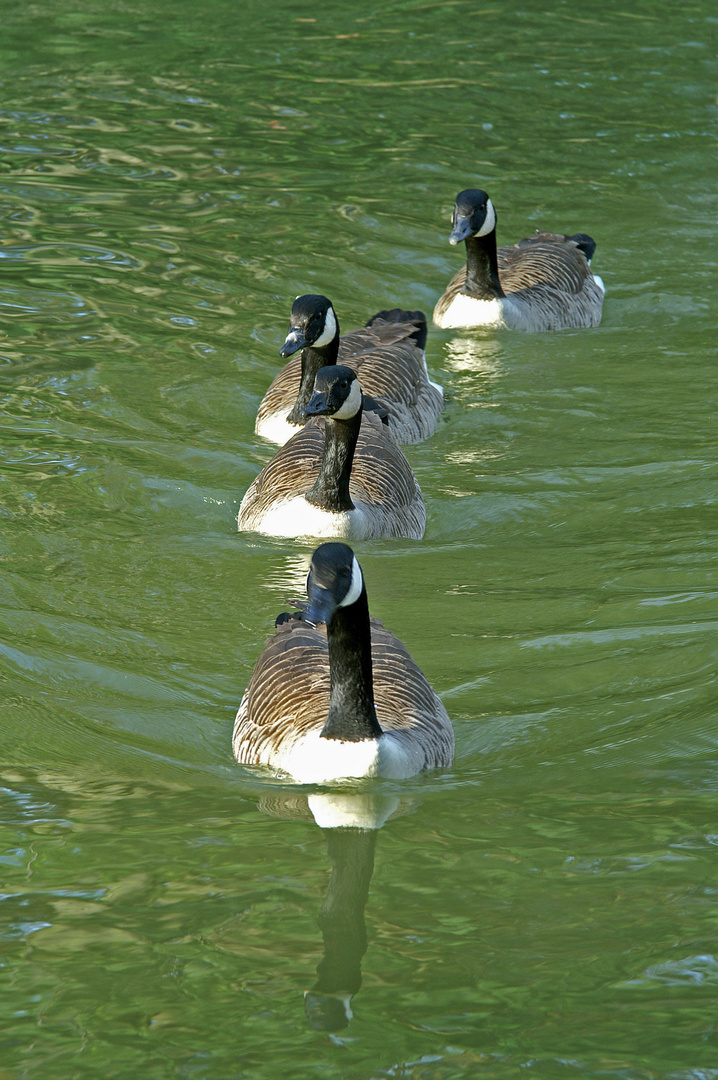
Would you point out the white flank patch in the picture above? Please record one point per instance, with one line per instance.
(314, 760)
(329, 331)
(275, 428)
(352, 404)
(468, 311)
(490, 222)
(436, 385)
(599, 282)
(297, 517)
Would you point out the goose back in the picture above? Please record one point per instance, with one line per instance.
(386, 495)
(388, 355)
(544, 282)
(287, 699)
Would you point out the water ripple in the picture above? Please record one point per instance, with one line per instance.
(18, 302)
(69, 254)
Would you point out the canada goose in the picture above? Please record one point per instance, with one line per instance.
(340, 475)
(388, 354)
(334, 695)
(542, 283)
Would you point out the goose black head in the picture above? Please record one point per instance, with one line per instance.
(335, 580)
(474, 215)
(313, 323)
(337, 393)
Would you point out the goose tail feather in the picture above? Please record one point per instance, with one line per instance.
(398, 315)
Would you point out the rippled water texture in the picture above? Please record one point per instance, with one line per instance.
(171, 177)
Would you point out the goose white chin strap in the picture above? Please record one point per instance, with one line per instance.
(330, 328)
(356, 586)
(490, 222)
(352, 404)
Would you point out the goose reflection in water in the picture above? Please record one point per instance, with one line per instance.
(341, 919)
(351, 823)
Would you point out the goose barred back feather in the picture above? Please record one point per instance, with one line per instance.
(544, 282)
(388, 355)
(276, 707)
(382, 486)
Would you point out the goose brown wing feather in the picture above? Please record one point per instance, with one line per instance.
(545, 259)
(391, 368)
(398, 380)
(547, 276)
(452, 290)
(405, 703)
(291, 471)
(381, 478)
(288, 696)
(283, 390)
(380, 334)
(381, 474)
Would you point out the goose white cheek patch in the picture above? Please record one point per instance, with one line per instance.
(352, 404)
(355, 587)
(329, 331)
(490, 222)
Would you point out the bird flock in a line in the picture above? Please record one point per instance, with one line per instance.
(334, 695)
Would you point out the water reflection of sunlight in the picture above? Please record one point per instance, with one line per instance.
(477, 366)
(290, 572)
(472, 455)
(478, 355)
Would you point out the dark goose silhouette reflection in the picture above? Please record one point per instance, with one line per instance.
(351, 823)
(341, 919)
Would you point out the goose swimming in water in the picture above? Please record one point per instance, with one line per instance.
(334, 695)
(387, 354)
(542, 283)
(341, 475)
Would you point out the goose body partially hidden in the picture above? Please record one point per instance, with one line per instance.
(542, 283)
(388, 355)
(340, 475)
(334, 695)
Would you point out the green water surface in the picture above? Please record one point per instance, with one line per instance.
(171, 177)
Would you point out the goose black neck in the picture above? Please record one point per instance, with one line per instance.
(312, 360)
(482, 268)
(352, 716)
(331, 489)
